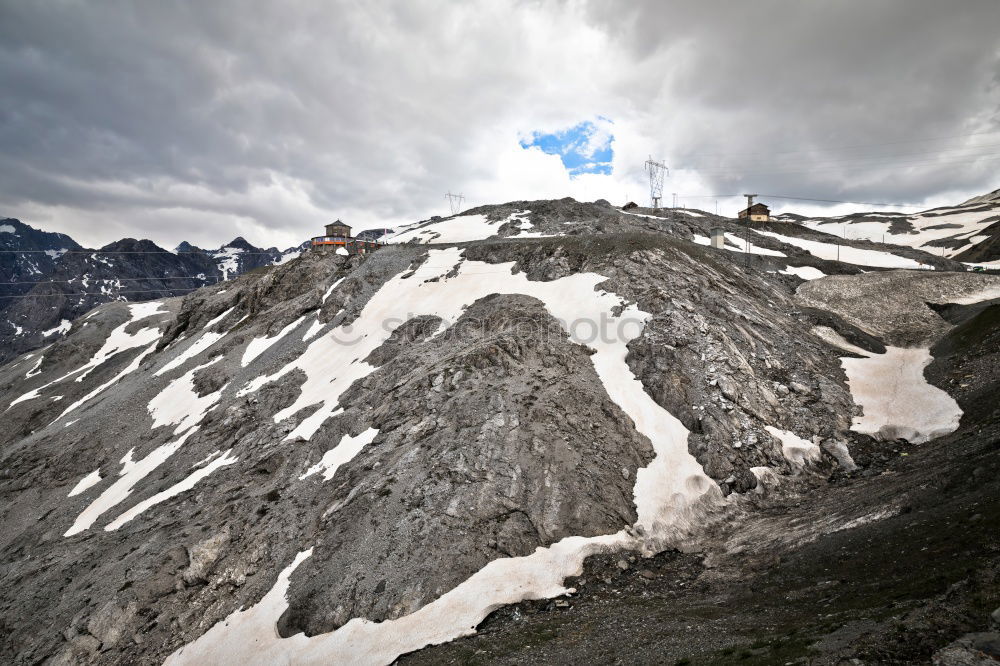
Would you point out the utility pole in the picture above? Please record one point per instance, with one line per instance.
(656, 172)
(750, 198)
(455, 202)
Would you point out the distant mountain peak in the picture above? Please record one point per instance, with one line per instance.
(240, 243)
(132, 245)
(989, 197)
(184, 246)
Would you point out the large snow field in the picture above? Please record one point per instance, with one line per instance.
(848, 255)
(459, 229)
(970, 223)
(250, 637)
(669, 494)
(465, 228)
(896, 399)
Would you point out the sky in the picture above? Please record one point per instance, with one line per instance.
(204, 121)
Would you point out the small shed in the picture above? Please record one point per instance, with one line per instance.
(757, 213)
(719, 238)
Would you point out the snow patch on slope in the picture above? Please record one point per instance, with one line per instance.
(131, 473)
(258, 346)
(86, 482)
(228, 261)
(116, 342)
(329, 290)
(740, 245)
(341, 454)
(180, 404)
(131, 367)
(204, 341)
(804, 272)
(176, 489)
(796, 450)
(63, 326)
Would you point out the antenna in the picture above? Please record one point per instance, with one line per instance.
(656, 172)
(455, 202)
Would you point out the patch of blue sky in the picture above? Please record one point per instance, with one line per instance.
(583, 148)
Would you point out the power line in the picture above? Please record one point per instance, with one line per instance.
(836, 166)
(855, 146)
(920, 154)
(174, 254)
(707, 196)
(179, 277)
(99, 293)
(859, 203)
(780, 196)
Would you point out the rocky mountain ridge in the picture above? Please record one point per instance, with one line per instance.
(49, 280)
(352, 458)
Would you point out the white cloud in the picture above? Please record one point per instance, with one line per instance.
(206, 123)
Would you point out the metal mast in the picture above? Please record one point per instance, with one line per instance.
(656, 170)
(455, 202)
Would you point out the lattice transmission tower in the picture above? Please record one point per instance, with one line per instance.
(455, 202)
(656, 171)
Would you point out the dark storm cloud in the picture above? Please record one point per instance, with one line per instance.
(829, 95)
(204, 120)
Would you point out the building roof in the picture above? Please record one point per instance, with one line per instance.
(757, 207)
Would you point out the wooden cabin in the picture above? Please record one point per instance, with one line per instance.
(757, 213)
